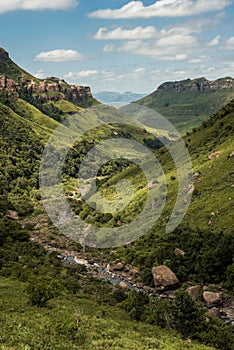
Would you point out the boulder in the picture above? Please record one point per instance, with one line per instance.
(178, 251)
(214, 155)
(134, 271)
(196, 175)
(118, 267)
(194, 292)
(212, 298)
(12, 214)
(164, 277)
(214, 312)
(123, 285)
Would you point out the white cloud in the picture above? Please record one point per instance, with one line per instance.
(109, 48)
(162, 8)
(199, 59)
(139, 71)
(81, 74)
(40, 74)
(13, 5)
(59, 56)
(229, 44)
(177, 40)
(215, 41)
(172, 44)
(126, 34)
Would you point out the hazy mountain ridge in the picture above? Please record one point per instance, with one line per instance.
(111, 96)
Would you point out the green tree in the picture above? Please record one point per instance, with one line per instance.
(42, 290)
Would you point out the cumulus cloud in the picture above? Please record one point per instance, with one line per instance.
(59, 56)
(172, 44)
(126, 34)
(229, 44)
(215, 41)
(81, 74)
(14, 5)
(162, 8)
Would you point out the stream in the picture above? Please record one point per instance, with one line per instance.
(115, 279)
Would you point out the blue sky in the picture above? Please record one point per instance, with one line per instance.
(120, 45)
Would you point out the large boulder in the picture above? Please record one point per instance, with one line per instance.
(164, 277)
(212, 298)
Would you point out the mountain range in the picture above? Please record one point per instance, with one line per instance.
(110, 97)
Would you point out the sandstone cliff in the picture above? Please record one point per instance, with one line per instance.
(199, 85)
(16, 82)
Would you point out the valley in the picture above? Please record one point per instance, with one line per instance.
(60, 293)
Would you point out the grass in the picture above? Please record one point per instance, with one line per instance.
(75, 323)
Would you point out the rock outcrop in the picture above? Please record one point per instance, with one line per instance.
(198, 85)
(16, 82)
(164, 277)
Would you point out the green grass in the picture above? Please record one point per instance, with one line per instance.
(29, 112)
(24, 327)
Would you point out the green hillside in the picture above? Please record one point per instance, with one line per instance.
(12, 70)
(188, 108)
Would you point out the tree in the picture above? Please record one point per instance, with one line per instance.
(186, 315)
(42, 290)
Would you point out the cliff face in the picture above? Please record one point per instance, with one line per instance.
(199, 85)
(16, 82)
(51, 89)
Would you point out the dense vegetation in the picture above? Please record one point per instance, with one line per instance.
(47, 305)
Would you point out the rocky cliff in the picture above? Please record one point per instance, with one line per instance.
(15, 82)
(199, 85)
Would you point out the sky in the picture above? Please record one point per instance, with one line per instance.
(120, 45)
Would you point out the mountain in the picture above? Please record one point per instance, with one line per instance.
(109, 97)
(15, 82)
(187, 103)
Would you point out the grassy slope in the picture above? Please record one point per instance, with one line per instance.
(213, 187)
(12, 70)
(100, 327)
(186, 109)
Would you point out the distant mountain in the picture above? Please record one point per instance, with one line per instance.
(188, 103)
(113, 97)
